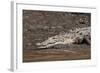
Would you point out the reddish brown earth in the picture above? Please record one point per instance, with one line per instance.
(56, 54)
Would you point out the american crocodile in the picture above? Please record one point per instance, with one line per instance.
(75, 36)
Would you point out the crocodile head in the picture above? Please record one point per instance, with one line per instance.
(52, 41)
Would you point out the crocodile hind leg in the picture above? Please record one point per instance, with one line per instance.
(87, 39)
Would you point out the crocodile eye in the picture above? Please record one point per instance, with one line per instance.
(77, 32)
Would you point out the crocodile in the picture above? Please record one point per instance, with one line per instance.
(73, 36)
